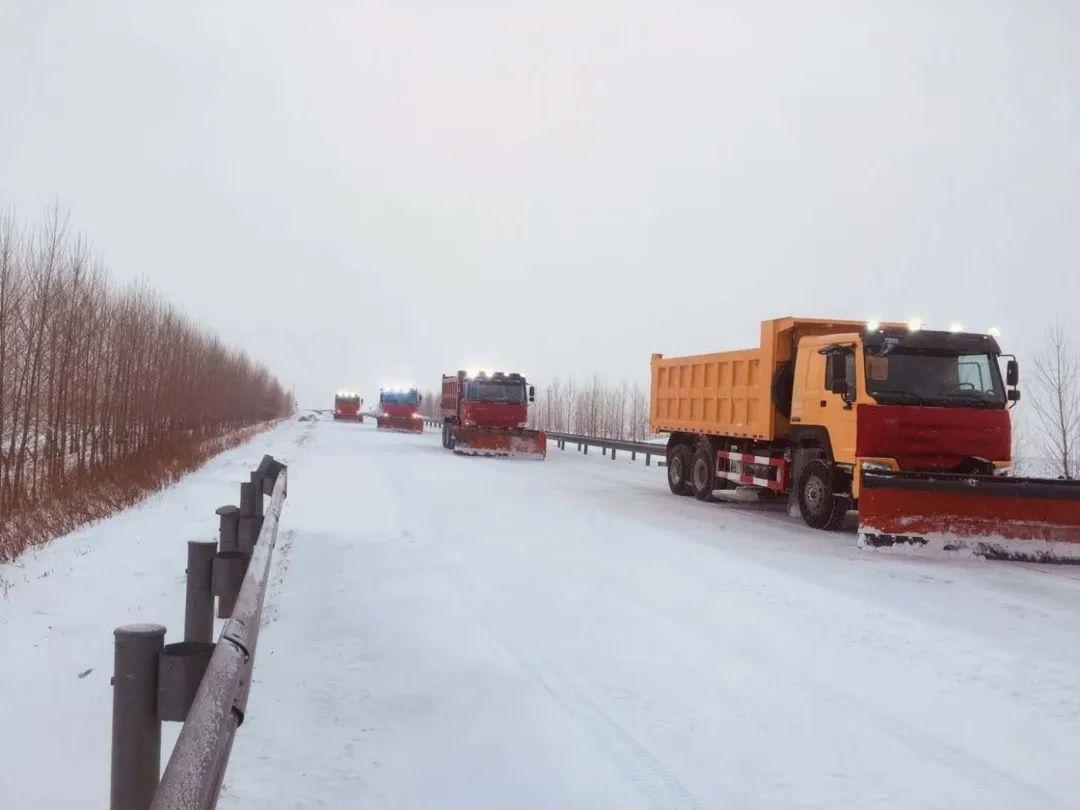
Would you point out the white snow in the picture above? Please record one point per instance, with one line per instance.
(444, 631)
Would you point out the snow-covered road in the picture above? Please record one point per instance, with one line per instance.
(463, 632)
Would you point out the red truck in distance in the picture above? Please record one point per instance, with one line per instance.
(485, 415)
(347, 407)
(399, 411)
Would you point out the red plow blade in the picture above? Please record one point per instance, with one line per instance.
(400, 424)
(475, 441)
(1027, 519)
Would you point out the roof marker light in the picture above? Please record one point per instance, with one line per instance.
(914, 324)
(956, 327)
(873, 325)
(994, 332)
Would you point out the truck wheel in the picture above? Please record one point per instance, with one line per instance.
(445, 443)
(449, 435)
(822, 506)
(703, 473)
(678, 468)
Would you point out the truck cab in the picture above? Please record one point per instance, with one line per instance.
(347, 406)
(900, 400)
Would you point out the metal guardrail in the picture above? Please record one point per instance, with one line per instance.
(203, 684)
(648, 449)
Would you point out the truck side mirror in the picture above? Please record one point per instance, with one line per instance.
(532, 393)
(1014, 395)
(1012, 374)
(419, 398)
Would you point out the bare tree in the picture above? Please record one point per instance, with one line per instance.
(1056, 401)
(92, 379)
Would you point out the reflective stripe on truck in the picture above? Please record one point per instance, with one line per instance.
(730, 466)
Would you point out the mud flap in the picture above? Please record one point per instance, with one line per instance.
(1026, 519)
(400, 424)
(518, 443)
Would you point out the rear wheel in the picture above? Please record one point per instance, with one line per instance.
(448, 427)
(703, 473)
(678, 469)
(822, 506)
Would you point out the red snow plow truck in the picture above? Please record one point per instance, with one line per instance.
(485, 415)
(399, 410)
(908, 426)
(347, 406)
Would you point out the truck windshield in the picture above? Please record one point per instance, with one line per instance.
(400, 397)
(495, 391)
(348, 400)
(900, 375)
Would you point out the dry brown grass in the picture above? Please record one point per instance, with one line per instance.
(104, 492)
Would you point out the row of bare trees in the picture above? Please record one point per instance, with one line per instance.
(92, 375)
(592, 409)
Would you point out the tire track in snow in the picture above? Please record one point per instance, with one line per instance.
(646, 772)
(1006, 786)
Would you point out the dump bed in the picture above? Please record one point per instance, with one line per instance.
(731, 393)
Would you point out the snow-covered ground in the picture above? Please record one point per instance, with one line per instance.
(466, 632)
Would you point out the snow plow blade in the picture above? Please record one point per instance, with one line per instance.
(478, 441)
(400, 424)
(1025, 519)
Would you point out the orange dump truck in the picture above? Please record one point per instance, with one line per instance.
(909, 426)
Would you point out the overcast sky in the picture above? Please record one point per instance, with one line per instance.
(372, 193)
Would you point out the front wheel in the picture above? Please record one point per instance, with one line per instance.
(822, 506)
(678, 468)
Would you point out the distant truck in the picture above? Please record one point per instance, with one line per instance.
(399, 411)
(485, 415)
(347, 407)
(909, 426)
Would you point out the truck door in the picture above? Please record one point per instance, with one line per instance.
(830, 398)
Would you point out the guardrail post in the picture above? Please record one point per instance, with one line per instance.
(250, 519)
(199, 604)
(228, 527)
(586, 446)
(228, 575)
(136, 729)
(257, 486)
(648, 458)
(612, 453)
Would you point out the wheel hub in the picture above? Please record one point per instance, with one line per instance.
(815, 494)
(701, 475)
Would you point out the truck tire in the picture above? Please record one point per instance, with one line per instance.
(448, 435)
(678, 468)
(703, 473)
(821, 505)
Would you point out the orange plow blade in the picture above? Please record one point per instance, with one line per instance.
(519, 443)
(400, 424)
(1027, 519)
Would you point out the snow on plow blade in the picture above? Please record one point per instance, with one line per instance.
(1028, 519)
(401, 424)
(473, 441)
